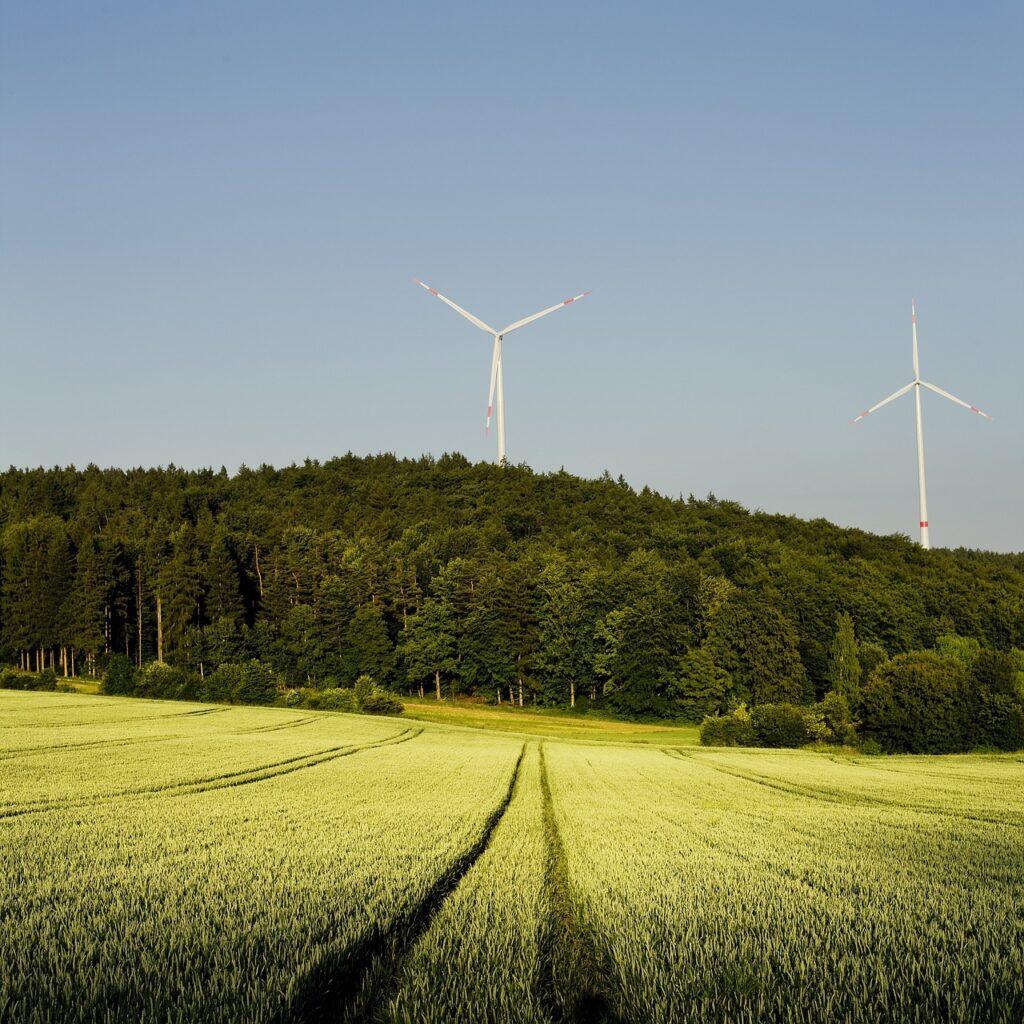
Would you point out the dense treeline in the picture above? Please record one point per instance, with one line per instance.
(470, 579)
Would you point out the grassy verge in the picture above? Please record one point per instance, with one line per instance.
(549, 722)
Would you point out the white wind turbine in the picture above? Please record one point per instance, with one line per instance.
(496, 378)
(917, 384)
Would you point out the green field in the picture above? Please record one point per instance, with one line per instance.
(173, 862)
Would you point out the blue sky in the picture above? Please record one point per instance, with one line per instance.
(210, 214)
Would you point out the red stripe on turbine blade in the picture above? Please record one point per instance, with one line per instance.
(567, 301)
(433, 291)
(924, 522)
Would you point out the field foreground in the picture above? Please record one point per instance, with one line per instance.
(174, 862)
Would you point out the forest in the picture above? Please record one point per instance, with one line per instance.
(439, 576)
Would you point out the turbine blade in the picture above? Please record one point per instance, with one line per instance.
(458, 309)
(884, 401)
(953, 398)
(495, 357)
(913, 331)
(543, 312)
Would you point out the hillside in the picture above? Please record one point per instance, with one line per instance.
(437, 573)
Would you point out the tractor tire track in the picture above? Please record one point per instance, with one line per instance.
(8, 755)
(118, 721)
(353, 985)
(576, 977)
(286, 725)
(226, 780)
(842, 800)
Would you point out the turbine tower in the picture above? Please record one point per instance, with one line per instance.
(917, 384)
(497, 383)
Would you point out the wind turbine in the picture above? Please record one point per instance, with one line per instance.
(917, 384)
(496, 378)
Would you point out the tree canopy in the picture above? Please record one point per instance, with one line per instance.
(544, 588)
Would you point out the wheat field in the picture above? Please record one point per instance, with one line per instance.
(172, 862)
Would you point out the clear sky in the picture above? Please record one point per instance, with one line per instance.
(210, 214)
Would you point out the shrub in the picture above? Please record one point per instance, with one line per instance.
(380, 702)
(15, 679)
(780, 725)
(363, 688)
(834, 711)
(121, 676)
(334, 699)
(734, 729)
(161, 681)
(251, 682)
(10, 679)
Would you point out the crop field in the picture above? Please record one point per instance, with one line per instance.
(169, 862)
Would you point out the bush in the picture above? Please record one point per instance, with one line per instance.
(161, 681)
(582, 707)
(834, 711)
(734, 729)
(380, 702)
(121, 676)
(335, 699)
(15, 679)
(364, 687)
(780, 725)
(251, 682)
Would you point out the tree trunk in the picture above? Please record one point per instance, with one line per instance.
(572, 693)
(499, 694)
(72, 661)
(159, 629)
(138, 616)
(437, 684)
(520, 691)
